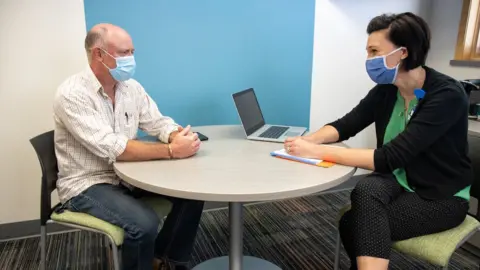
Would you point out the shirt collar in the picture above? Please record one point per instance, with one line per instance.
(94, 83)
(92, 80)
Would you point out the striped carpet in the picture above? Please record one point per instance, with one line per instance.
(296, 234)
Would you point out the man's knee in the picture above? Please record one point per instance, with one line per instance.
(145, 226)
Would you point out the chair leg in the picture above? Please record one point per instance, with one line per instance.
(120, 257)
(116, 256)
(43, 247)
(108, 252)
(337, 253)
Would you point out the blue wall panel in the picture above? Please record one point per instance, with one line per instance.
(192, 55)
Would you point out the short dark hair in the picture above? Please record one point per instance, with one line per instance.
(405, 30)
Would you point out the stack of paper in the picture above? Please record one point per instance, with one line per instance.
(317, 162)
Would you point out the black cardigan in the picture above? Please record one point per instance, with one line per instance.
(433, 148)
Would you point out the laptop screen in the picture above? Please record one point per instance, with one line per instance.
(249, 110)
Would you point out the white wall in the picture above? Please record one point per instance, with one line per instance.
(339, 79)
(444, 21)
(41, 44)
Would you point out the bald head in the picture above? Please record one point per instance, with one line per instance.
(108, 37)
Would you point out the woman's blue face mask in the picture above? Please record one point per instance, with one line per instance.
(378, 70)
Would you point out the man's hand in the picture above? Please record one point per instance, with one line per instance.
(175, 133)
(185, 143)
(301, 147)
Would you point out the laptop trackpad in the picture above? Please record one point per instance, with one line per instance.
(291, 134)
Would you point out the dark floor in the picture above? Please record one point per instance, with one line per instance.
(346, 185)
(32, 227)
(295, 234)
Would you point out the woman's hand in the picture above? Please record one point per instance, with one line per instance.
(308, 138)
(301, 147)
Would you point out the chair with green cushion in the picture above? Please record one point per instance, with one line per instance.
(436, 249)
(44, 147)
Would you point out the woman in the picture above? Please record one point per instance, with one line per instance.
(422, 175)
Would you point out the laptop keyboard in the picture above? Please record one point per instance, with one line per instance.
(273, 132)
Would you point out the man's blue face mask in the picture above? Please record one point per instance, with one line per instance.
(378, 70)
(125, 67)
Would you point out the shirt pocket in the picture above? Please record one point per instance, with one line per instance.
(129, 123)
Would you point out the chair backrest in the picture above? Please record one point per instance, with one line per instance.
(44, 146)
(470, 85)
(474, 154)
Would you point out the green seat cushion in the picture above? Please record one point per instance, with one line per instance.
(161, 207)
(434, 248)
(437, 248)
(86, 220)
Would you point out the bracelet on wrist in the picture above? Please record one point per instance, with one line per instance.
(170, 152)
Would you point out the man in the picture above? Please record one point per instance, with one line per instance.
(97, 114)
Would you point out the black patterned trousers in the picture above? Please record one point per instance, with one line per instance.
(383, 212)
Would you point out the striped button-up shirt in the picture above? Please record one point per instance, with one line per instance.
(91, 132)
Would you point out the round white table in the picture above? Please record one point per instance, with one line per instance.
(230, 168)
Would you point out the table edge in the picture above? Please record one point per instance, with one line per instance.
(237, 197)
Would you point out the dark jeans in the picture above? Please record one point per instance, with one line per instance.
(120, 206)
(383, 212)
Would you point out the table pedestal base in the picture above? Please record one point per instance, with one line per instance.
(236, 260)
(250, 263)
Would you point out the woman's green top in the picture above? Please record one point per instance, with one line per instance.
(396, 125)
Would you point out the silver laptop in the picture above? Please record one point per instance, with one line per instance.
(254, 124)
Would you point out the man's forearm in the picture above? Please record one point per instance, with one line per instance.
(326, 134)
(140, 151)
